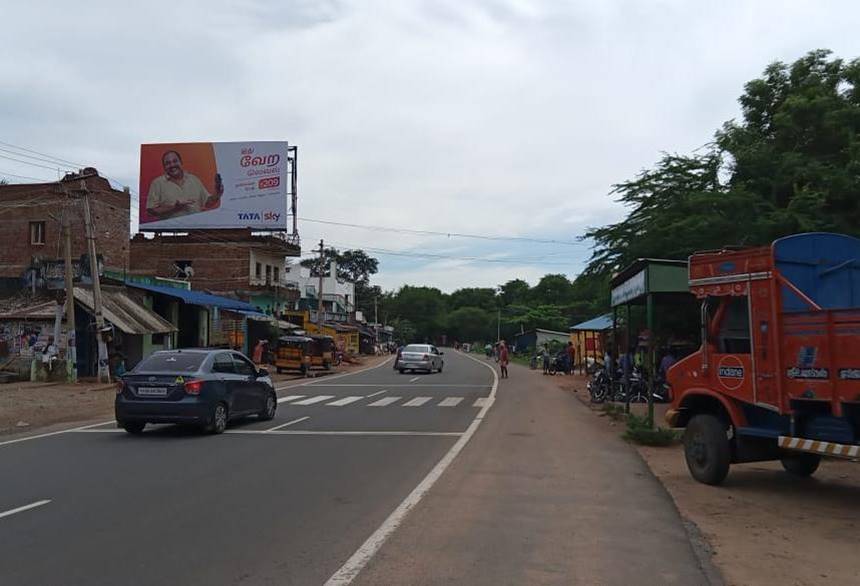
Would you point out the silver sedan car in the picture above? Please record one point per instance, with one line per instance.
(424, 357)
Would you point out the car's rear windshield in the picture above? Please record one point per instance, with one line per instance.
(416, 348)
(172, 362)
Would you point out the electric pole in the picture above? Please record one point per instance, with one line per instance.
(320, 292)
(103, 367)
(376, 318)
(71, 350)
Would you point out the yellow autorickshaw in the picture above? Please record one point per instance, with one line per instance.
(321, 351)
(294, 353)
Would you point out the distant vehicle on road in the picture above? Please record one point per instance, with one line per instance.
(205, 388)
(424, 357)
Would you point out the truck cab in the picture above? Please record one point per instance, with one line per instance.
(777, 376)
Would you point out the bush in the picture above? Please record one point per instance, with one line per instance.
(640, 432)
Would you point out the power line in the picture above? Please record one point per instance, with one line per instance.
(437, 233)
(32, 164)
(7, 174)
(54, 159)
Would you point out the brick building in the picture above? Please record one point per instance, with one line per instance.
(31, 224)
(234, 263)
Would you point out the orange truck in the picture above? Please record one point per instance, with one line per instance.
(777, 376)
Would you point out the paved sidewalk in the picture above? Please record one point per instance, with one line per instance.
(545, 493)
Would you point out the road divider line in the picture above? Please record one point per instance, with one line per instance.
(416, 402)
(290, 398)
(350, 569)
(314, 399)
(377, 393)
(24, 508)
(385, 401)
(293, 422)
(345, 401)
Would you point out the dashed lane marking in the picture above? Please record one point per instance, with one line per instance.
(416, 402)
(377, 393)
(344, 401)
(385, 402)
(312, 400)
(412, 380)
(24, 508)
(288, 423)
(451, 402)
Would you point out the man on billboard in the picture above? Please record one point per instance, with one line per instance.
(178, 192)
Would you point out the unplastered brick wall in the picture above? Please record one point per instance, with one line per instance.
(45, 204)
(216, 265)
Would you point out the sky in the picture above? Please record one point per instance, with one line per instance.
(507, 118)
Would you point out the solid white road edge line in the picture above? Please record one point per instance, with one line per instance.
(349, 570)
(24, 508)
(293, 422)
(49, 434)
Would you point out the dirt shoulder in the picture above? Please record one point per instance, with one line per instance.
(27, 407)
(764, 526)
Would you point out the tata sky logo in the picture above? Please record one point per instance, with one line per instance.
(268, 216)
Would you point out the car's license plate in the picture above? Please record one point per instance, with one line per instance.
(152, 391)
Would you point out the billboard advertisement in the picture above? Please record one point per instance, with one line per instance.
(213, 185)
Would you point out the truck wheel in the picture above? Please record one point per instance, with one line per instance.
(706, 449)
(802, 465)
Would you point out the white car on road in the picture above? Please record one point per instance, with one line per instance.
(420, 357)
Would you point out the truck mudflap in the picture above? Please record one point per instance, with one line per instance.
(799, 444)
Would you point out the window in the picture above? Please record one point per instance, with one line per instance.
(172, 362)
(277, 275)
(268, 273)
(258, 272)
(37, 232)
(242, 365)
(735, 327)
(223, 363)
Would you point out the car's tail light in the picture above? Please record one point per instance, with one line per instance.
(120, 387)
(426, 357)
(193, 387)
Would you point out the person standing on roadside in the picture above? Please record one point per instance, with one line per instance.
(571, 357)
(503, 359)
(545, 356)
(259, 351)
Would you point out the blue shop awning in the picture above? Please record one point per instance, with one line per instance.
(597, 324)
(198, 298)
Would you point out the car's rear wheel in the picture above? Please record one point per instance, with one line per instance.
(134, 427)
(218, 419)
(269, 409)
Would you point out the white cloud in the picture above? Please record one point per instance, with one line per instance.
(506, 117)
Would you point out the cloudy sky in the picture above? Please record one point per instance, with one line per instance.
(500, 117)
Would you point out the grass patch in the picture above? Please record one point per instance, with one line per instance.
(638, 431)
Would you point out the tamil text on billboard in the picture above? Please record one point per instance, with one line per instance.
(213, 185)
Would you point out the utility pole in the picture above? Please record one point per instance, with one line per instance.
(320, 292)
(71, 349)
(103, 369)
(376, 318)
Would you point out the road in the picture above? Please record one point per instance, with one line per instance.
(348, 462)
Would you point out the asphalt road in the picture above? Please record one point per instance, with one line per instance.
(533, 498)
(247, 507)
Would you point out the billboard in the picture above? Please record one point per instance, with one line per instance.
(213, 185)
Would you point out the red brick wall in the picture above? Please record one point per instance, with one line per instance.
(22, 204)
(218, 265)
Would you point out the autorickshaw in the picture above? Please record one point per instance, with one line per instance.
(321, 351)
(294, 353)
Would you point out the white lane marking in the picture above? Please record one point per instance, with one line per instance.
(412, 380)
(451, 402)
(336, 376)
(345, 401)
(377, 393)
(293, 422)
(49, 434)
(350, 569)
(290, 398)
(350, 433)
(280, 387)
(416, 402)
(452, 385)
(314, 399)
(482, 401)
(385, 402)
(24, 508)
(97, 431)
